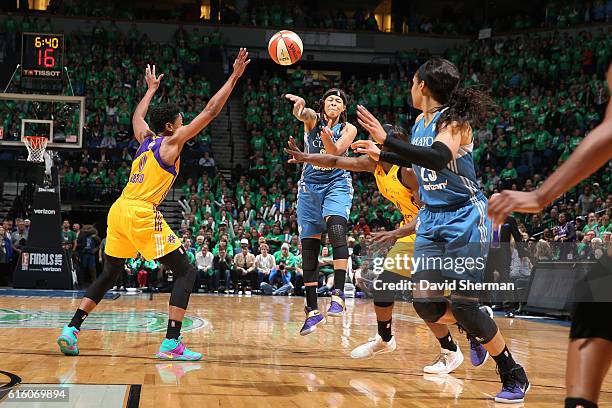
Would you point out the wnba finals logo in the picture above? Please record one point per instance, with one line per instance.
(142, 162)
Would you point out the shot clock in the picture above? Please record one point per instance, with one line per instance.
(42, 56)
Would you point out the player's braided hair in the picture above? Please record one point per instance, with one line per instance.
(321, 108)
(459, 105)
(162, 114)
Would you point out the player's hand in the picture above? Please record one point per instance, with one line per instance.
(298, 104)
(502, 204)
(294, 150)
(327, 132)
(242, 60)
(371, 124)
(384, 237)
(152, 80)
(366, 147)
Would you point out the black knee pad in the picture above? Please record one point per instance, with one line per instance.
(430, 310)
(383, 304)
(475, 321)
(184, 276)
(579, 402)
(336, 231)
(310, 258)
(112, 268)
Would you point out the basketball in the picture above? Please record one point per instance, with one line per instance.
(285, 47)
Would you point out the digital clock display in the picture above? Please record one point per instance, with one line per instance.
(42, 55)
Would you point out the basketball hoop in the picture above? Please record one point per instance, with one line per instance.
(36, 147)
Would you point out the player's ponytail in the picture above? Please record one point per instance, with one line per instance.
(458, 105)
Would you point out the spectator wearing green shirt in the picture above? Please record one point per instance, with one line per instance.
(283, 255)
(132, 267)
(508, 175)
(148, 273)
(592, 224)
(69, 238)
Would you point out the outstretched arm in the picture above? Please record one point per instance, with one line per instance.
(361, 163)
(594, 151)
(141, 128)
(302, 113)
(390, 237)
(215, 104)
(435, 157)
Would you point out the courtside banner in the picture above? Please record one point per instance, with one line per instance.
(552, 275)
(42, 261)
(45, 230)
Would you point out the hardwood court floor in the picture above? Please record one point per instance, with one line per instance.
(255, 357)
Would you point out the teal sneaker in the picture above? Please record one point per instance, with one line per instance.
(174, 349)
(67, 341)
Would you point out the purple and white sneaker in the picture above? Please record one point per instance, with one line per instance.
(478, 354)
(514, 386)
(337, 305)
(313, 319)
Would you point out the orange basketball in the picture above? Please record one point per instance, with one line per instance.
(285, 47)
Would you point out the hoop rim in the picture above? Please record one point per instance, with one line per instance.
(34, 137)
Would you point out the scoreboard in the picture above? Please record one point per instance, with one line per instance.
(42, 56)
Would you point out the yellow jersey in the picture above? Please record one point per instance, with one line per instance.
(150, 178)
(393, 190)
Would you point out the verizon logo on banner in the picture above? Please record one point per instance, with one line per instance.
(44, 211)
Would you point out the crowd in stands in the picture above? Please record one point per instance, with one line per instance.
(548, 90)
(106, 68)
(302, 15)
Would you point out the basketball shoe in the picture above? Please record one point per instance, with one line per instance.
(174, 349)
(447, 362)
(67, 341)
(376, 345)
(514, 386)
(337, 305)
(313, 319)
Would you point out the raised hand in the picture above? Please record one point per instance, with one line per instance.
(371, 124)
(326, 130)
(298, 104)
(152, 80)
(241, 62)
(294, 150)
(366, 147)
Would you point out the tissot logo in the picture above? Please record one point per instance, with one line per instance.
(44, 211)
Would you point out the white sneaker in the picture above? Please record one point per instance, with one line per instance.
(373, 347)
(447, 362)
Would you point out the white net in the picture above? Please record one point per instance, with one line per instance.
(36, 148)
